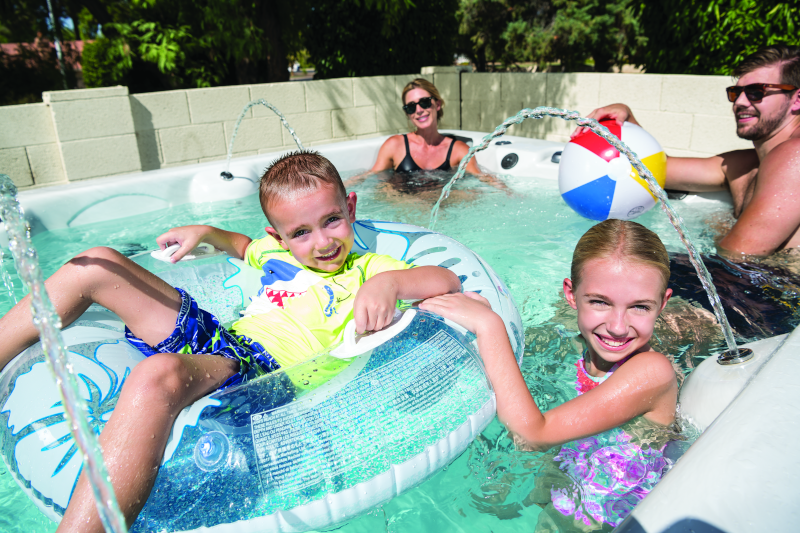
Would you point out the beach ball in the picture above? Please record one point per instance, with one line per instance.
(600, 183)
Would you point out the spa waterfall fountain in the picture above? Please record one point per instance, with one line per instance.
(226, 174)
(734, 354)
(48, 324)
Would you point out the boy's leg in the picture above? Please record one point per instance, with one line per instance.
(134, 439)
(146, 303)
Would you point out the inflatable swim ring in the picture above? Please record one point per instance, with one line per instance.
(306, 447)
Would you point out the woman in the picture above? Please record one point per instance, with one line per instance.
(425, 148)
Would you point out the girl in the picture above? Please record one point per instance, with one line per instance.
(618, 286)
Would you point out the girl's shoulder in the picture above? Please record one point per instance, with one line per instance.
(655, 366)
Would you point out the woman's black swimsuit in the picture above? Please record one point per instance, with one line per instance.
(409, 165)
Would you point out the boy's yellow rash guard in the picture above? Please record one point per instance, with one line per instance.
(315, 319)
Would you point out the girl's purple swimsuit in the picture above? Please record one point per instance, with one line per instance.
(610, 473)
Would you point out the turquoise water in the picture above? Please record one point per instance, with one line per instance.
(527, 234)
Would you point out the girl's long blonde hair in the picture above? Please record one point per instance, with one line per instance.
(627, 240)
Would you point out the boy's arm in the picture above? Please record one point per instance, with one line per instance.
(376, 299)
(189, 237)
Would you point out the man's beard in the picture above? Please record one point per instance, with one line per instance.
(763, 128)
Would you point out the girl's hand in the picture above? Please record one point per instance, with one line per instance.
(187, 236)
(469, 309)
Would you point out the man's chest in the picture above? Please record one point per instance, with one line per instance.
(742, 190)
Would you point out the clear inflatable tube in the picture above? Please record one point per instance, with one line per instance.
(306, 447)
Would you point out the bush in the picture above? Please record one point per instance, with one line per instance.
(100, 66)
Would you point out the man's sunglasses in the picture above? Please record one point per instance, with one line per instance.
(424, 103)
(755, 92)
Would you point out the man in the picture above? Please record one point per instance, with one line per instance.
(765, 181)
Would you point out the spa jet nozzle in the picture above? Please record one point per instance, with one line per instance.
(734, 357)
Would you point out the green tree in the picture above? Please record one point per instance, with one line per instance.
(607, 31)
(166, 44)
(568, 31)
(353, 38)
(712, 36)
(483, 28)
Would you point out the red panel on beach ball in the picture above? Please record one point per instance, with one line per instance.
(596, 144)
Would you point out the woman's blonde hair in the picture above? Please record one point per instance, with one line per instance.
(627, 240)
(425, 85)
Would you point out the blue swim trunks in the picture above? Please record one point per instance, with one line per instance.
(199, 332)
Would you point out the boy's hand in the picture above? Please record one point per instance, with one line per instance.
(187, 236)
(375, 304)
(376, 299)
(235, 244)
(469, 309)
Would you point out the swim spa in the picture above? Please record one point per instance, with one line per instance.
(527, 234)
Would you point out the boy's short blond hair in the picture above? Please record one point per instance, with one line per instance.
(303, 170)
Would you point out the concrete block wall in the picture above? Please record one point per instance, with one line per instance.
(689, 115)
(82, 134)
(95, 131)
(29, 150)
(190, 126)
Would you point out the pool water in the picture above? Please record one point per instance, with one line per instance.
(527, 233)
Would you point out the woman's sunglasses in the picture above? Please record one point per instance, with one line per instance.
(755, 92)
(424, 103)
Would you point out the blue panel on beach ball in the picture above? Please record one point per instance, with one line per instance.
(592, 200)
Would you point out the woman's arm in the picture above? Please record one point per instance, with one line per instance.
(460, 150)
(385, 161)
(643, 385)
(387, 153)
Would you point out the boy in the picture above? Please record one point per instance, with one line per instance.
(311, 217)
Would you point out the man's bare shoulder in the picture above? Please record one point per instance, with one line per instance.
(782, 163)
(770, 215)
